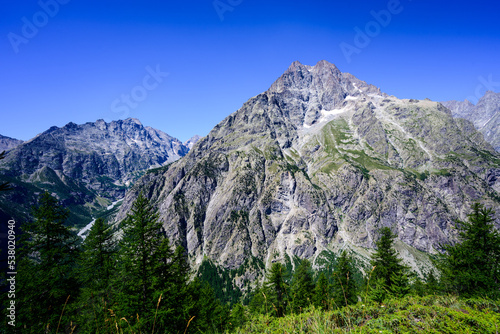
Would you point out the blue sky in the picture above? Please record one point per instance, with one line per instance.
(183, 66)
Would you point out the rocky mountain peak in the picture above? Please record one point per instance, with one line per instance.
(303, 77)
(490, 93)
(192, 141)
(319, 162)
(490, 99)
(132, 120)
(485, 115)
(323, 78)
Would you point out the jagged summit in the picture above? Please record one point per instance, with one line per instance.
(485, 115)
(324, 82)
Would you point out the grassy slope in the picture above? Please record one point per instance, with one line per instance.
(430, 314)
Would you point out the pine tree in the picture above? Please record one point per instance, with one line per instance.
(96, 267)
(401, 285)
(389, 273)
(176, 299)
(205, 310)
(418, 287)
(97, 257)
(431, 285)
(322, 293)
(147, 271)
(344, 286)
(378, 290)
(258, 302)
(302, 287)
(277, 289)
(46, 267)
(472, 266)
(238, 316)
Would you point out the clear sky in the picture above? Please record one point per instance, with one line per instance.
(83, 60)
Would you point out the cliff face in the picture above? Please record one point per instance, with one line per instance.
(485, 115)
(319, 162)
(86, 166)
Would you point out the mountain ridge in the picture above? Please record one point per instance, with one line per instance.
(8, 143)
(317, 163)
(86, 166)
(485, 115)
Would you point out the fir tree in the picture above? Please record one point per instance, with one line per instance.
(277, 294)
(46, 267)
(258, 302)
(344, 286)
(238, 316)
(205, 310)
(400, 286)
(302, 287)
(431, 284)
(322, 293)
(472, 266)
(96, 267)
(418, 287)
(147, 271)
(389, 274)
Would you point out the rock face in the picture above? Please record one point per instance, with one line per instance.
(319, 162)
(485, 115)
(88, 165)
(7, 143)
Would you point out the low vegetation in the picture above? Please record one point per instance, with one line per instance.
(141, 283)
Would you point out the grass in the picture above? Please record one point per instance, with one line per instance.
(430, 314)
(411, 314)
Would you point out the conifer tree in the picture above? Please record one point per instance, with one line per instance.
(258, 302)
(431, 285)
(302, 287)
(322, 293)
(400, 284)
(96, 268)
(277, 289)
(46, 267)
(238, 316)
(96, 263)
(205, 310)
(472, 266)
(147, 270)
(418, 287)
(389, 275)
(344, 286)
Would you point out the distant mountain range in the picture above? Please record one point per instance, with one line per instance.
(485, 115)
(86, 166)
(7, 143)
(318, 163)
